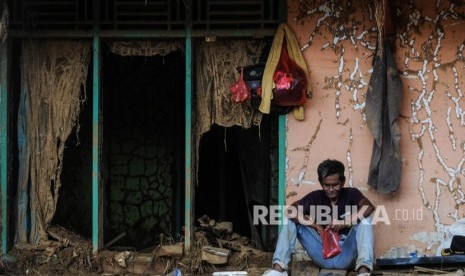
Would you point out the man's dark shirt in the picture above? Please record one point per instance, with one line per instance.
(347, 197)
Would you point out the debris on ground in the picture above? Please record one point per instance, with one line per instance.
(215, 255)
(68, 253)
(215, 248)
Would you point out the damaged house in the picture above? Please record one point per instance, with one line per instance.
(118, 133)
(104, 136)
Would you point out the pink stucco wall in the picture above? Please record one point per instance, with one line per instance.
(430, 41)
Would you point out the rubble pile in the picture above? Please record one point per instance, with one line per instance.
(217, 247)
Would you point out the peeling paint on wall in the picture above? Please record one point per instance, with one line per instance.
(350, 169)
(306, 149)
(430, 62)
(341, 26)
(339, 19)
(429, 51)
(425, 237)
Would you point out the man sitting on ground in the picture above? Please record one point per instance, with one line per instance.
(306, 221)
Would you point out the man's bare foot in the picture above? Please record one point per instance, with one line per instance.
(363, 269)
(277, 267)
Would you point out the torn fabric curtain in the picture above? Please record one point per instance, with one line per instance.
(53, 75)
(383, 103)
(216, 64)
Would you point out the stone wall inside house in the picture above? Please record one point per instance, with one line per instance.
(143, 137)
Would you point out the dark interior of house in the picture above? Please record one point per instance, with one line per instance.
(143, 147)
(220, 193)
(13, 156)
(237, 171)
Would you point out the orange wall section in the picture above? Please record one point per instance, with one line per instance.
(338, 45)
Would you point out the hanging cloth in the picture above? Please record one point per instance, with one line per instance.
(383, 103)
(293, 49)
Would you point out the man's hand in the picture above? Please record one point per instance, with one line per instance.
(338, 225)
(318, 228)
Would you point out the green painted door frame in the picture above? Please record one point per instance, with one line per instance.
(281, 164)
(188, 197)
(4, 141)
(282, 136)
(97, 219)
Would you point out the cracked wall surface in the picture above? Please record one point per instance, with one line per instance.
(338, 40)
(143, 132)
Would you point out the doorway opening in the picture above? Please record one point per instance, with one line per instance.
(143, 147)
(74, 206)
(238, 169)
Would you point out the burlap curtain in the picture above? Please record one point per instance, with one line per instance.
(53, 76)
(215, 71)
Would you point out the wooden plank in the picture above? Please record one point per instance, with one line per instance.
(429, 270)
(140, 33)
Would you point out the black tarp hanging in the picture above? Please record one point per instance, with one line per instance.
(383, 103)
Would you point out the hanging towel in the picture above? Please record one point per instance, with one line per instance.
(293, 48)
(383, 102)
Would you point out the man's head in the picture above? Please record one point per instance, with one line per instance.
(331, 177)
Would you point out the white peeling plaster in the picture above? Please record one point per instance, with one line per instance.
(363, 189)
(349, 159)
(425, 237)
(427, 125)
(297, 182)
(287, 163)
